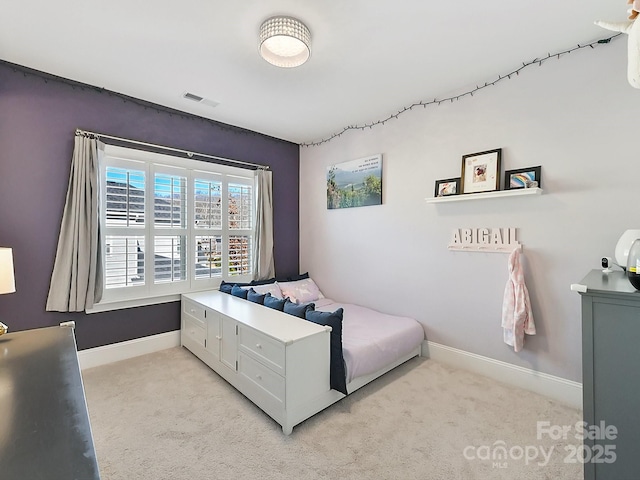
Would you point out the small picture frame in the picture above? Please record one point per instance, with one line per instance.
(529, 177)
(481, 171)
(449, 186)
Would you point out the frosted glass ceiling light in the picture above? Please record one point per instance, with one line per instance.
(285, 42)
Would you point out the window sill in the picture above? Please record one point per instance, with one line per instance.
(140, 302)
(115, 304)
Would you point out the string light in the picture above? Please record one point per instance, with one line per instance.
(436, 101)
(46, 77)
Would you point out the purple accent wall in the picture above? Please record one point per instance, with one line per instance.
(38, 118)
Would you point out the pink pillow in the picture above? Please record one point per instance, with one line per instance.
(301, 291)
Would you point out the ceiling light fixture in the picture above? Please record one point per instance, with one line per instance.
(285, 42)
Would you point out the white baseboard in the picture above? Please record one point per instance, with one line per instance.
(560, 389)
(94, 357)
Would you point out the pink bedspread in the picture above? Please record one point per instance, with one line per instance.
(372, 340)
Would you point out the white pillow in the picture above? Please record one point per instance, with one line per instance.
(301, 291)
(271, 288)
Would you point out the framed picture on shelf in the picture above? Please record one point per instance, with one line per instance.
(450, 186)
(481, 171)
(522, 178)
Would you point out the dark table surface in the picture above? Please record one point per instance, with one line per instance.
(44, 424)
(615, 282)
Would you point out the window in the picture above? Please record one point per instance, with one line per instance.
(172, 225)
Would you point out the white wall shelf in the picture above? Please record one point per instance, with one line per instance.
(479, 196)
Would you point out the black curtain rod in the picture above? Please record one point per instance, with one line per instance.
(100, 136)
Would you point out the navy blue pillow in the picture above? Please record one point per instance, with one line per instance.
(273, 302)
(264, 282)
(255, 297)
(337, 374)
(226, 287)
(295, 278)
(299, 310)
(237, 291)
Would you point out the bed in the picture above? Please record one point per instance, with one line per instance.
(372, 340)
(292, 367)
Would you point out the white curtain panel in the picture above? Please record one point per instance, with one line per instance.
(263, 246)
(76, 281)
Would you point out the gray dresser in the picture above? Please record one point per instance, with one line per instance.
(44, 424)
(611, 376)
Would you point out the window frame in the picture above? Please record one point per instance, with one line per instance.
(152, 292)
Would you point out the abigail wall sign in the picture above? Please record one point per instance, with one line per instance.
(484, 239)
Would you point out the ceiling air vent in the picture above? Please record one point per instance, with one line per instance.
(192, 96)
(199, 99)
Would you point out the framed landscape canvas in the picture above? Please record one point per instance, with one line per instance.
(356, 183)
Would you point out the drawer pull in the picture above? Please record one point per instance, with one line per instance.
(259, 377)
(218, 337)
(192, 310)
(258, 345)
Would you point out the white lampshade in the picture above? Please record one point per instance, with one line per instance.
(7, 278)
(623, 246)
(285, 42)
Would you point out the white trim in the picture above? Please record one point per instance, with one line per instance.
(560, 389)
(156, 165)
(137, 302)
(146, 301)
(134, 153)
(94, 357)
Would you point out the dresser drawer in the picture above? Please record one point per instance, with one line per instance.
(194, 330)
(264, 348)
(196, 311)
(261, 376)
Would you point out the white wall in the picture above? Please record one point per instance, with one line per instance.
(576, 116)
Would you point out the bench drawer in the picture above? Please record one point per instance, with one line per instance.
(261, 376)
(198, 312)
(264, 348)
(194, 330)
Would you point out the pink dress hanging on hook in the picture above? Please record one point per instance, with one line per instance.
(517, 317)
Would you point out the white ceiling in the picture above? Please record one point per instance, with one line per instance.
(369, 58)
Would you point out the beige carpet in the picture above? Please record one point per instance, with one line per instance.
(168, 416)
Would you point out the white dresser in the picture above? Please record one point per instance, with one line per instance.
(279, 361)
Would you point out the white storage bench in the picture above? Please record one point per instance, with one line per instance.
(279, 361)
